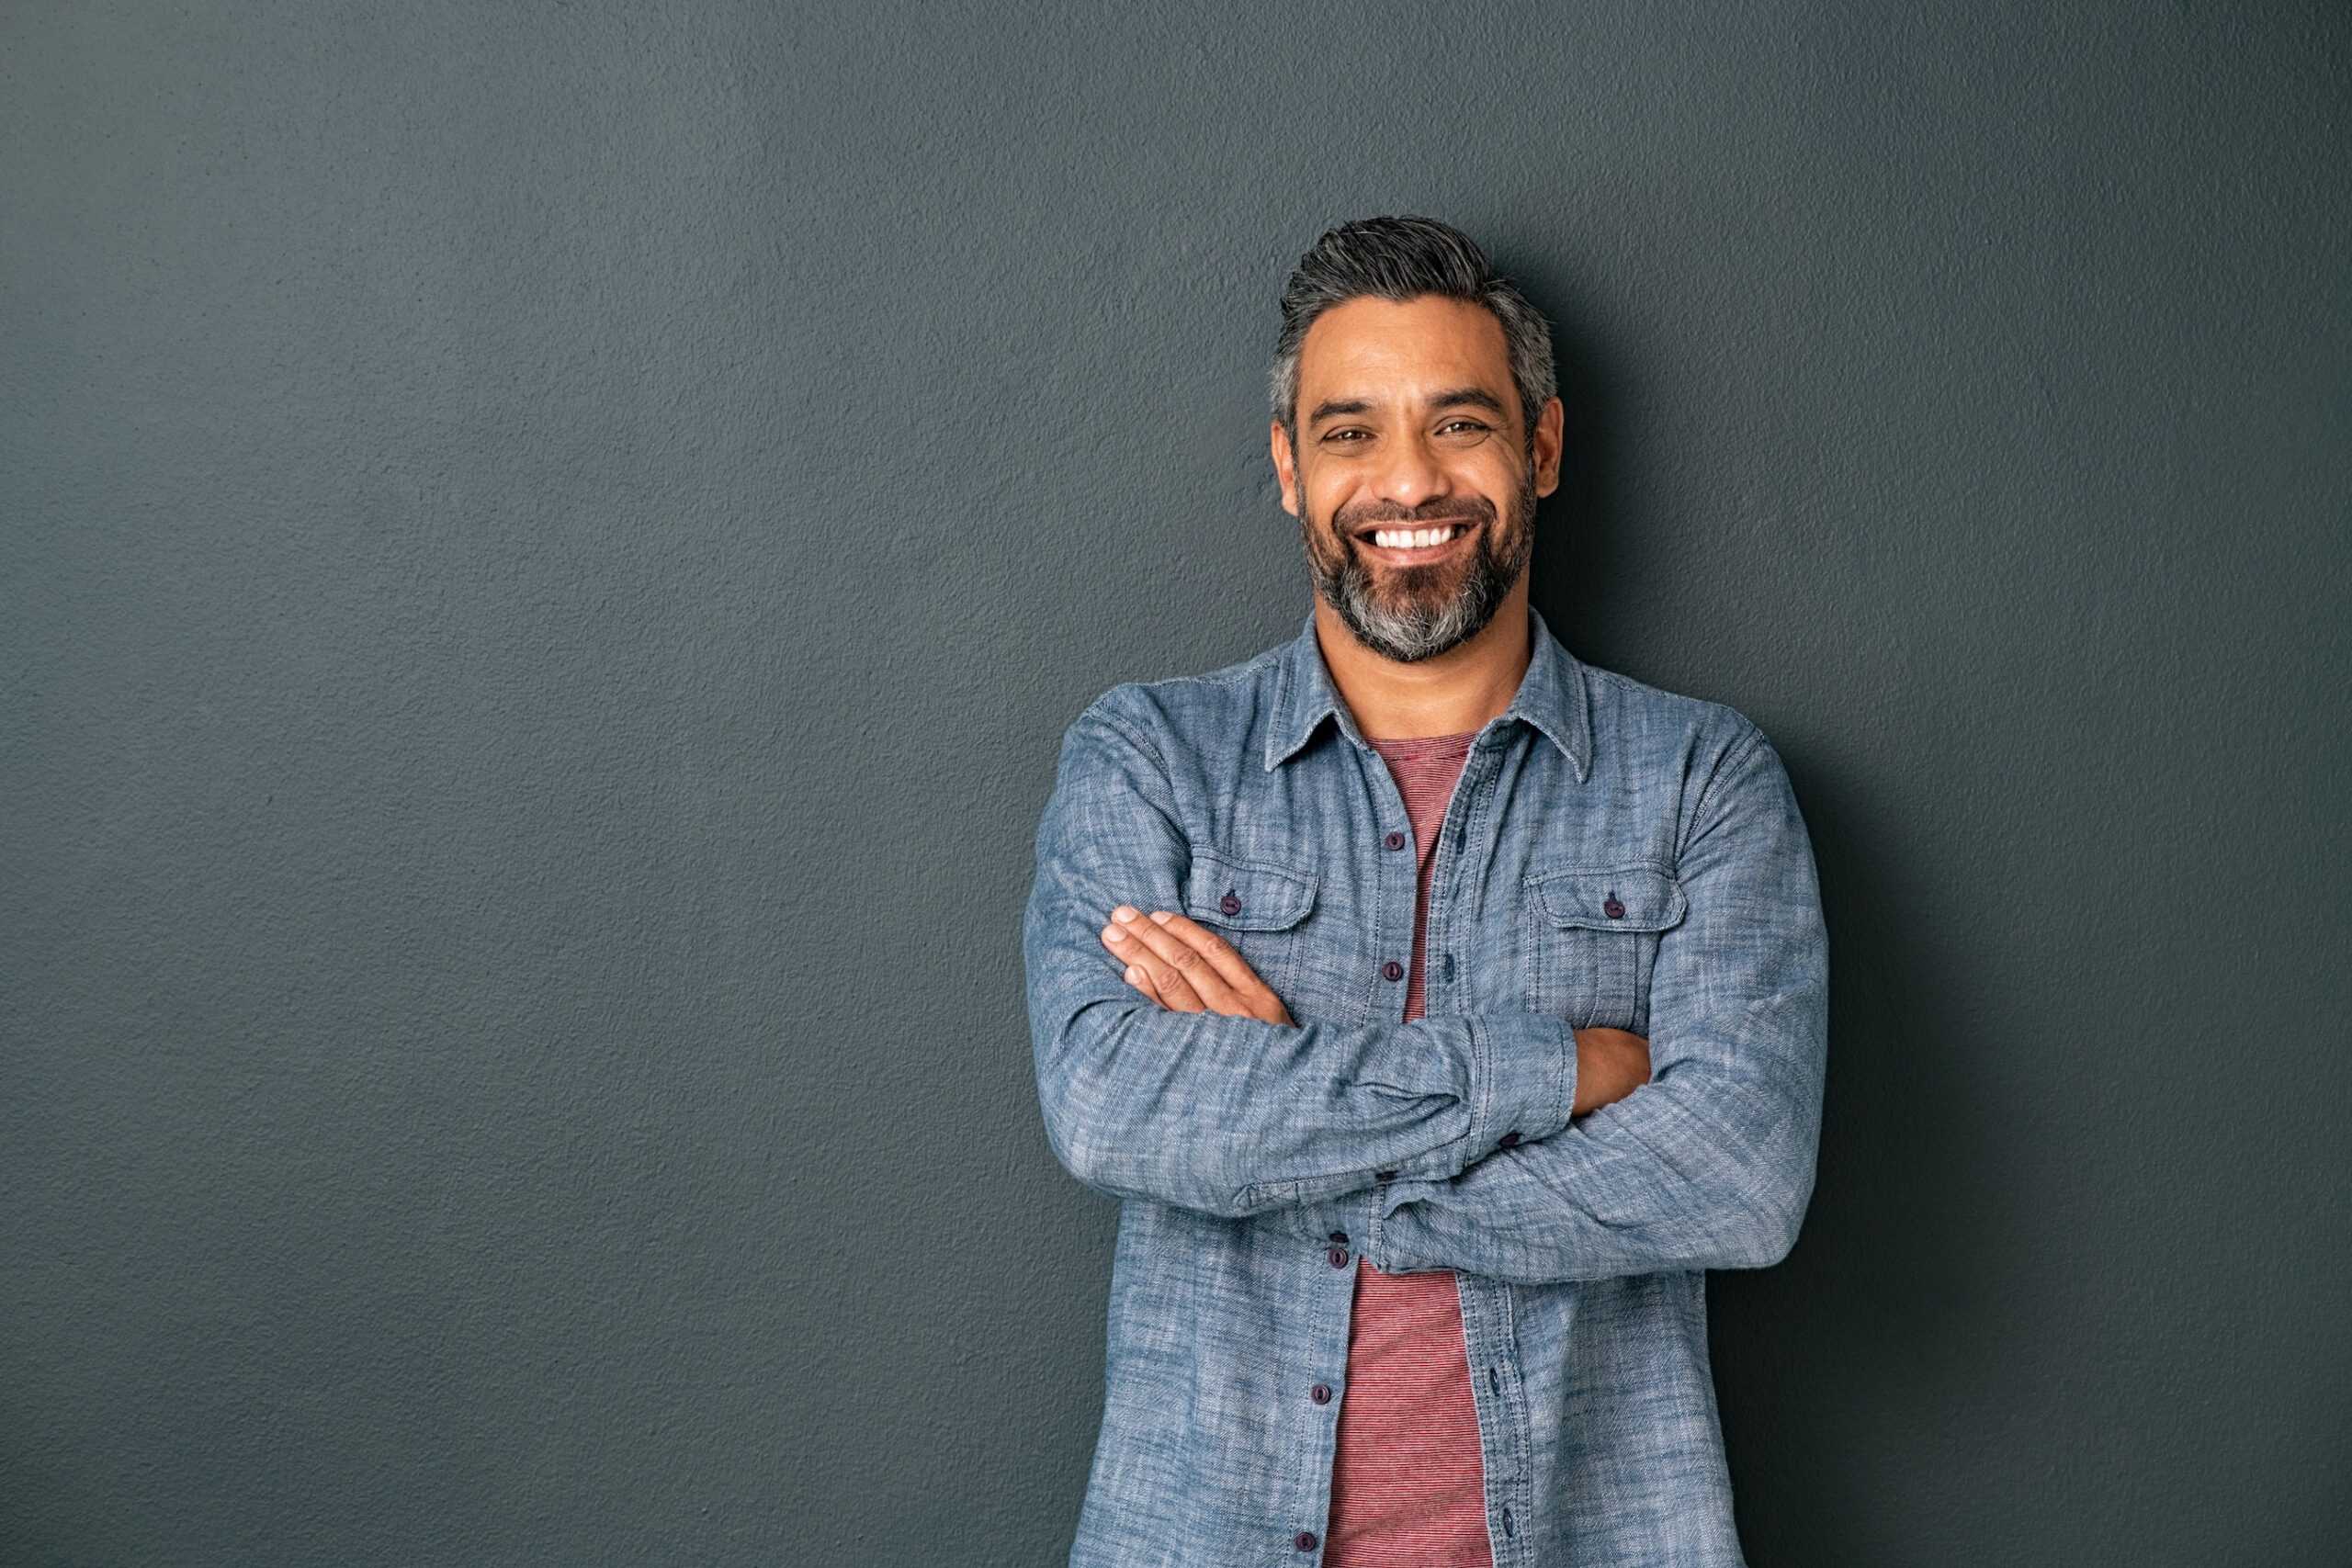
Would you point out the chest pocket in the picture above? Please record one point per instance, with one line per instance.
(1595, 942)
(1258, 907)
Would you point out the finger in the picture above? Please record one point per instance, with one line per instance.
(1230, 965)
(1165, 973)
(1127, 945)
(1256, 995)
(1136, 977)
(1190, 962)
(1164, 985)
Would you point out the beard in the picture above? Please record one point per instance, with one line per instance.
(1422, 611)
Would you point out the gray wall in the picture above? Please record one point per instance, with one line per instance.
(547, 549)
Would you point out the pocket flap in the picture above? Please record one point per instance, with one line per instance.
(1246, 895)
(1635, 898)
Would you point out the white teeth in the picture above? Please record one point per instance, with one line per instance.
(1412, 538)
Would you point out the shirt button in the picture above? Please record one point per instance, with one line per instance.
(1337, 1257)
(1395, 841)
(1303, 1540)
(1508, 1141)
(1614, 910)
(1320, 1394)
(1392, 970)
(1229, 906)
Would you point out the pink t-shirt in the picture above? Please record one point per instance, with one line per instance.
(1409, 1483)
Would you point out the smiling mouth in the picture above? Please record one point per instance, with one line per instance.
(1428, 536)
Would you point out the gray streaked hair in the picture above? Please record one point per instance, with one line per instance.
(1403, 259)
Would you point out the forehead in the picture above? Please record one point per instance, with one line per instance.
(1378, 350)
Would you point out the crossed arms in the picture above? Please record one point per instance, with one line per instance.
(1191, 1086)
(1185, 967)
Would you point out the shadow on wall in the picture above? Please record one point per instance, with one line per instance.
(1573, 563)
(1812, 1357)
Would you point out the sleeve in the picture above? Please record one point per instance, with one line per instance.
(1234, 1116)
(1710, 1164)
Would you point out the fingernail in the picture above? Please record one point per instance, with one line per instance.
(1159, 917)
(1135, 975)
(1112, 934)
(1122, 914)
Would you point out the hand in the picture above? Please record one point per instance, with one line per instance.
(1611, 1065)
(1186, 967)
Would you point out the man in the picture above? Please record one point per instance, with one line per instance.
(1441, 1007)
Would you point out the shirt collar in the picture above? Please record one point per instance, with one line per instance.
(1550, 700)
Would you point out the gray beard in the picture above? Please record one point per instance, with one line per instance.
(1413, 629)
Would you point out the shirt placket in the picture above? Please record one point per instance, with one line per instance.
(1503, 1436)
(1332, 1256)
(1496, 1388)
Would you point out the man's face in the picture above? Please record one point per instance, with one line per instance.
(1412, 479)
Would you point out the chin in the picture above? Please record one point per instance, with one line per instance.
(1424, 589)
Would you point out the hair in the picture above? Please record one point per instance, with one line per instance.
(1404, 259)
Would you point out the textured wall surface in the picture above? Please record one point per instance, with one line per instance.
(545, 550)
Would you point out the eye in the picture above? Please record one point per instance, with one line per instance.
(1346, 433)
(1464, 427)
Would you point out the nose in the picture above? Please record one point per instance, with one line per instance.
(1410, 473)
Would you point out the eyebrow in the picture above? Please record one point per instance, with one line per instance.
(1460, 397)
(1470, 397)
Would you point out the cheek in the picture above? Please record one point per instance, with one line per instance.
(1324, 494)
(1494, 475)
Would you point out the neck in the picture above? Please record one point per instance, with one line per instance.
(1454, 692)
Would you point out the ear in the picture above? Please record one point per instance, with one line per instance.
(1547, 445)
(1286, 468)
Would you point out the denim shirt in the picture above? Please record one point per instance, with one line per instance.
(1613, 855)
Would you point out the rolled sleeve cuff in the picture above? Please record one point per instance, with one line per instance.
(1517, 1075)
(1522, 1089)
(1524, 1080)
(1514, 1074)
